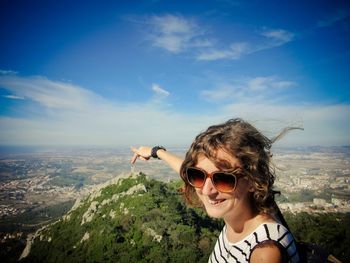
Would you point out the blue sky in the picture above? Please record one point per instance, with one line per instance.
(116, 73)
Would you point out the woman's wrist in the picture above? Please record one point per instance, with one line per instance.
(155, 150)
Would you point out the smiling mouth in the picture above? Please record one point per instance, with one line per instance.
(216, 202)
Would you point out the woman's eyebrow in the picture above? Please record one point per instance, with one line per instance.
(227, 166)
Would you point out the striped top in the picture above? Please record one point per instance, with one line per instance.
(227, 252)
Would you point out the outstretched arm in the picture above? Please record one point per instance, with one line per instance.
(144, 153)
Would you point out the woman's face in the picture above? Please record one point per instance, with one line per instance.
(218, 204)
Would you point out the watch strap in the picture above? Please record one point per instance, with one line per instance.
(155, 149)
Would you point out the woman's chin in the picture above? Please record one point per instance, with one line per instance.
(216, 210)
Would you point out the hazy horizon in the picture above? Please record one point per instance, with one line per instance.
(122, 149)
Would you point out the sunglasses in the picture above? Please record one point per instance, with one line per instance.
(223, 181)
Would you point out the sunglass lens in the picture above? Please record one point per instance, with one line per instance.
(224, 182)
(195, 177)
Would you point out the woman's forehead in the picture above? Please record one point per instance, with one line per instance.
(221, 159)
(225, 155)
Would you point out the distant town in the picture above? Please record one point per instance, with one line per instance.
(34, 185)
(314, 180)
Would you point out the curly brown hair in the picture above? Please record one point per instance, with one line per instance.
(244, 142)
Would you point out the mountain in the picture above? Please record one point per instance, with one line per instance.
(129, 219)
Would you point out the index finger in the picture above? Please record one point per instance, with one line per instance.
(134, 158)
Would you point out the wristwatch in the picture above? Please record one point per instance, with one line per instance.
(155, 149)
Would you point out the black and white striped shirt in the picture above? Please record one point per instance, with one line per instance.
(227, 252)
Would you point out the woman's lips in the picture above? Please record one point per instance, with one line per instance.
(216, 202)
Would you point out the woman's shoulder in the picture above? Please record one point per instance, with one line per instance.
(273, 231)
(273, 238)
(269, 241)
(268, 252)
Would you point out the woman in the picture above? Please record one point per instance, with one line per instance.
(227, 170)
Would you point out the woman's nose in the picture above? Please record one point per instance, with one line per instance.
(208, 187)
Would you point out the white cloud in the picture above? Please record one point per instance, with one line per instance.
(160, 91)
(108, 125)
(323, 124)
(235, 51)
(171, 24)
(13, 97)
(271, 39)
(279, 36)
(248, 89)
(99, 121)
(219, 94)
(72, 115)
(8, 72)
(214, 54)
(271, 82)
(176, 33)
(51, 94)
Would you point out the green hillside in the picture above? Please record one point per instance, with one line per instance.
(132, 220)
(137, 219)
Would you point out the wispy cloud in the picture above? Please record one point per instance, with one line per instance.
(68, 114)
(270, 38)
(220, 93)
(270, 82)
(337, 16)
(51, 94)
(13, 97)
(235, 51)
(7, 72)
(160, 91)
(247, 89)
(176, 33)
(323, 124)
(100, 121)
(278, 36)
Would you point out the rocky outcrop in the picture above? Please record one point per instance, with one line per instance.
(95, 205)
